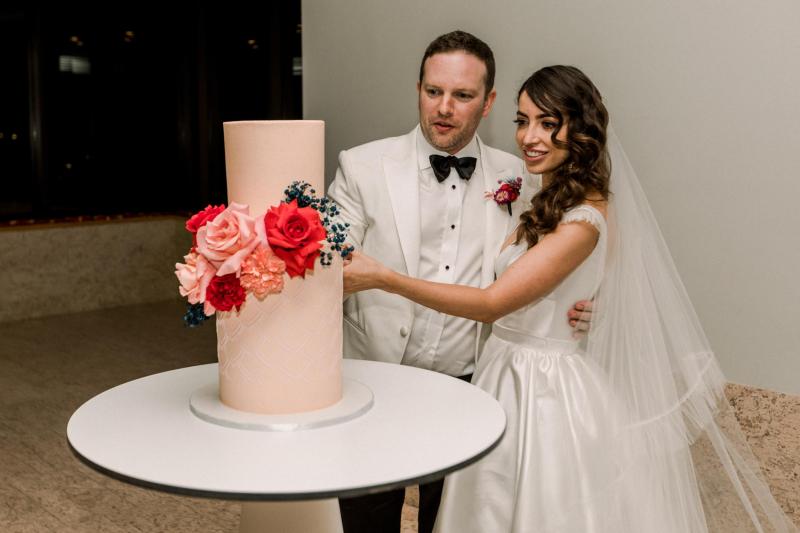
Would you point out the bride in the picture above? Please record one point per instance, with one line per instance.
(629, 432)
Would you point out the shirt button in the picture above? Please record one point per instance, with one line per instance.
(404, 331)
(447, 267)
(453, 187)
(452, 226)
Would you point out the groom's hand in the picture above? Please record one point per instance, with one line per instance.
(580, 317)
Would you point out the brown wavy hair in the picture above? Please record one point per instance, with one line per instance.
(570, 98)
(461, 41)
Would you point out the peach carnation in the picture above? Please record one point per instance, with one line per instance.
(262, 272)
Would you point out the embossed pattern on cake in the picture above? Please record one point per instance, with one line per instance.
(282, 354)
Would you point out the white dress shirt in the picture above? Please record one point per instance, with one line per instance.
(451, 246)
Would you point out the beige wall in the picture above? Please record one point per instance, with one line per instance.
(703, 94)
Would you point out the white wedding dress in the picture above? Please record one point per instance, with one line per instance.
(627, 432)
(552, 471)
(571, 461)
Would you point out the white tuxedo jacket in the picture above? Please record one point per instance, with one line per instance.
(377, 189)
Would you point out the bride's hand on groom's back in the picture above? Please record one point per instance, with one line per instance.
(361, 272)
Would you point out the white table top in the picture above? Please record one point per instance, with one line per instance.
(422, 426)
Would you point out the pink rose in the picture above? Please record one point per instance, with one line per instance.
(262, 272)
(194, 277)
(228, 239)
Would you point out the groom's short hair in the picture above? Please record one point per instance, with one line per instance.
(461, 41)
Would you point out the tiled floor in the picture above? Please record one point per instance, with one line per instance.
(50, 366)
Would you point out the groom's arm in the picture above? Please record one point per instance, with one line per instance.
(345, 192)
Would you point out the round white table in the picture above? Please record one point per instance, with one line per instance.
(420, 427)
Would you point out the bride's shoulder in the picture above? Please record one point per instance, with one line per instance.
(597, 202)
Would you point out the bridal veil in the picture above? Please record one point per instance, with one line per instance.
(682, 459)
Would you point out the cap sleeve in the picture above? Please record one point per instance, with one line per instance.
(585, 213)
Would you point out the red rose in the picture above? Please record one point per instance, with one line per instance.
(200, 219)
(225, 292)
(294, 234)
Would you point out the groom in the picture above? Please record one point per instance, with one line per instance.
(416, 203)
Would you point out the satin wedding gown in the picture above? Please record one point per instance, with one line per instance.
(627, 432)
(577, 455)
(552, 470)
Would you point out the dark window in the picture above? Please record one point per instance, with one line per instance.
(16, 170)
(108, 111)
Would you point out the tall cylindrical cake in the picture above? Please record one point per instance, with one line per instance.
(281, 354)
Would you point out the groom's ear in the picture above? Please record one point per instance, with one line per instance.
(488, 102)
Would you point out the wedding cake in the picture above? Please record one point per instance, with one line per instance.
(260, 265)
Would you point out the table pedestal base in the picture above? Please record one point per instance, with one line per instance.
(314, 516)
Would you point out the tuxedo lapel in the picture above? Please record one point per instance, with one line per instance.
(498, 221)
(402, 179)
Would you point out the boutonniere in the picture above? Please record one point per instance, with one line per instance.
(507, 193)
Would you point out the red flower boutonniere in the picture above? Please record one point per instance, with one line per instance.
(507, 193)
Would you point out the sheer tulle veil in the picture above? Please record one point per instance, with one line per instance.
(679, 442)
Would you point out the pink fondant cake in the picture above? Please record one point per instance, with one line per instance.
(281, 354)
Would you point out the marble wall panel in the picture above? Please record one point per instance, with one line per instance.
(58, 269)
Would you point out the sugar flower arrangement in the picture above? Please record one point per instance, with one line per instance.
(235, 254)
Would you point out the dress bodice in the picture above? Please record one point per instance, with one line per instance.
(546, 318)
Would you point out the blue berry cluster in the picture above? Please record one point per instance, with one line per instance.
(303, 193)
(194, 315)
(329, 213)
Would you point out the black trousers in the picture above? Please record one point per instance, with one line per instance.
(380, 513)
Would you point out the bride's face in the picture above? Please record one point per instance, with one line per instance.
(534, 128)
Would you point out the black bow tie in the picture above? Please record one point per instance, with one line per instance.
(441, 165)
